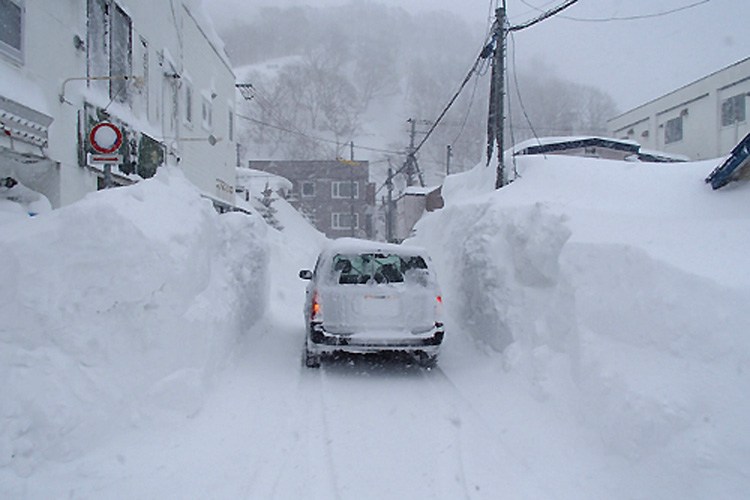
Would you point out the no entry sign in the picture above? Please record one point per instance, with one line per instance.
(105, 138)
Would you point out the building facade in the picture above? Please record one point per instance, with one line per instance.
(411, 205)
(335, 196)
(702, 120)
(155, 71)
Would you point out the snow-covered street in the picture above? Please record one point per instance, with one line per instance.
(358, 428)
(595, 348)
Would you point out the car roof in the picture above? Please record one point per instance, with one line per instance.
(358, 246)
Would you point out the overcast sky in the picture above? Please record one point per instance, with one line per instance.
(633, 60)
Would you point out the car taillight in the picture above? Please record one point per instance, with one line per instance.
(315, 311)
(439, 307)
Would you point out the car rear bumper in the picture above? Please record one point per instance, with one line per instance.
(321, 341)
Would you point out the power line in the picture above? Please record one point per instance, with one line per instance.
(314, 138)
(518, 88)
(543, 16)
(625, 18)
(484, 54)
(496, 114)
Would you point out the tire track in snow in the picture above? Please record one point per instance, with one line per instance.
(291, 422)
(475, 433)
(452, 423)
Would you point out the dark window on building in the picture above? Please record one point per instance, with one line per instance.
(110, 47)
(673, 130)
(343, 189)
(733, 110)
(121, 58)
(308, 189)
(344, 220)
(207, 114)
(11, 28)
(188, 101)
(231, 125)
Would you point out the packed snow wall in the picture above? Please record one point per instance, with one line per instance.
(591, 283)
(117, 309)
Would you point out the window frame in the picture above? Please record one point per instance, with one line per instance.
(230, 130)
(119, 89)
(336, 190)
(672, 131)
(336, 220)
(102, 45)
(16, 54)
(302, 189)
(732, 107)
(188, 98)
(207, 118)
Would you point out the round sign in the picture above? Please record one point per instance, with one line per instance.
(105, 138)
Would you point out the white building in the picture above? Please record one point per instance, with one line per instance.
(156, 70)
(702, 120)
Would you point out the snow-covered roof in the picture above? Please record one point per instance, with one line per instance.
(548, 144)
(257, 179)
(419, 191)
(661, 156)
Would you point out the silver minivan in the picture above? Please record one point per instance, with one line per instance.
(371, 297)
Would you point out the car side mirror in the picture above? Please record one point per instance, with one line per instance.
(305, 274)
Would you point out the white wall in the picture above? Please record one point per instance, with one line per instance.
(171, 34)
(700, 105)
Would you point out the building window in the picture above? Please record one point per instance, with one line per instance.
(344, 220)
(343, 189)
(146, 69)
(673, 130)
(207, 114)
(308, 189)
(733, 110)
(11, 28)
(110, 47)
(121, 58)
(231, 125)
(187, 96)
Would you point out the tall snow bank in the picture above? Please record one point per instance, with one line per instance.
(119, 309)
(618, 292)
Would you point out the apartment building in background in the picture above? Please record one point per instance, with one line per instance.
(336, 196)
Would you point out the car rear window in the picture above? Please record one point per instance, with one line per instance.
(358, 269)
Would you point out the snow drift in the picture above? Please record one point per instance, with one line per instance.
(119, 309)
(618, 291)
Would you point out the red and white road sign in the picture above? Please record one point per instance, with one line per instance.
(105, 138)
(102, 159)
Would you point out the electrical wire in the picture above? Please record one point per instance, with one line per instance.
(544, 15)
(471, 104)
(268, 108)
(510, 123)
(471, 72)
(625, 18)
(518, 89)
(314, 138)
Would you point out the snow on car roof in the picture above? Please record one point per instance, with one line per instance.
(355, 245)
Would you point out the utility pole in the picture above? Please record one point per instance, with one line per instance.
(496, 117)
(410, 165)
(389, 207)
(410, 153)
(351, 189)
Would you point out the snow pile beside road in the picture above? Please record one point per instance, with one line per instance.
(618, 292)
(119, 310)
